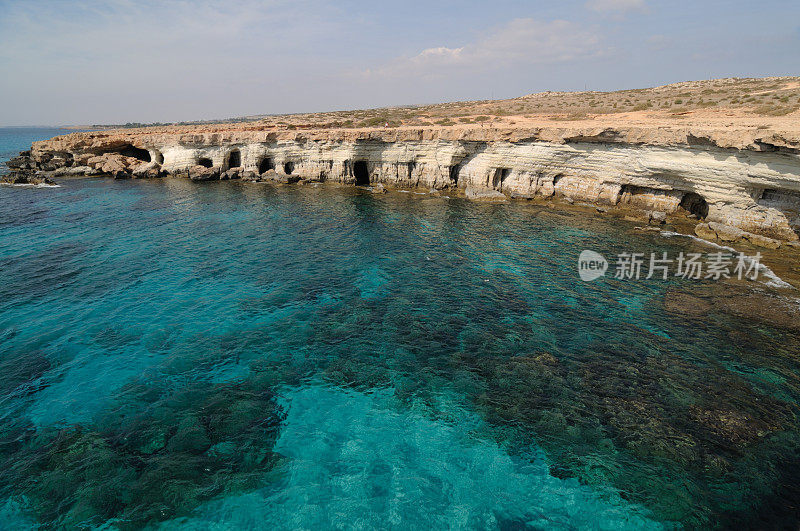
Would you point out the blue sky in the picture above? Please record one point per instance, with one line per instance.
(74, 62)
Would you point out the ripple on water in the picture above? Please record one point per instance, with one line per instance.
(354, 460)
(315, 356)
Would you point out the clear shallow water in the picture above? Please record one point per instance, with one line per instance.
(233, 355)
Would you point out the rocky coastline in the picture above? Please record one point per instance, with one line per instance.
(738, 184)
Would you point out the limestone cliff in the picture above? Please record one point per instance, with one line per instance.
(745, 177)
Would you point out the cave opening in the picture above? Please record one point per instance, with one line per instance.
(695, 205)
(234, 159)
(326, 168)
(411, 167)
(288, 168)
(136, 153)
(205, 162)
(265, 165)
(500, 175)
(361, 173)
(455, 169)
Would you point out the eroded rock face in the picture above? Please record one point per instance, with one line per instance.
(202, 173)
(738, 179)
(25, 170)
(729, 234)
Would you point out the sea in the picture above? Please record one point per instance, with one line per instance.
(230, 355)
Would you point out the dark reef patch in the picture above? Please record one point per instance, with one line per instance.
(155, 457)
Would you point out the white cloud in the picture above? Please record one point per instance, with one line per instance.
(523, 41)
(615, 5)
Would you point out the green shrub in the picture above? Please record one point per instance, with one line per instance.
(775, 110)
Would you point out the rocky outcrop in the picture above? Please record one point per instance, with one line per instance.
(747, 179)
(16, 177)
(729, 234)
(24, 170)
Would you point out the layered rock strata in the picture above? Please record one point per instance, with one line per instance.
(748, 180)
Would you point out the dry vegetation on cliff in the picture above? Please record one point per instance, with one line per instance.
(769, 97)
(767, 102)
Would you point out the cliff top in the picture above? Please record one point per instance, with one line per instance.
(738, 113)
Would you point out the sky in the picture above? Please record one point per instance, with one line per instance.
(117, 61)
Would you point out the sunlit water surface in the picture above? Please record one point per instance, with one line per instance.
(238, 356)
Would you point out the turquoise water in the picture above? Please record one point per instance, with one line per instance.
(234, 356)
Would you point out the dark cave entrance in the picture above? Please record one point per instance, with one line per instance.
(265, 165)
(411, 167)
(234, 159)
(361, 173)
(500, 175)
(455, 169)
(288, 168)
(205, 162)
(136, 153)
(695, 204)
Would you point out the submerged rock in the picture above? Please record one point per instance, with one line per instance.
(153, 459)
(774, 311)
(686, 304)
(484, 194)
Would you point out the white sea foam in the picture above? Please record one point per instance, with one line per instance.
(28, 185)
(774, 281)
